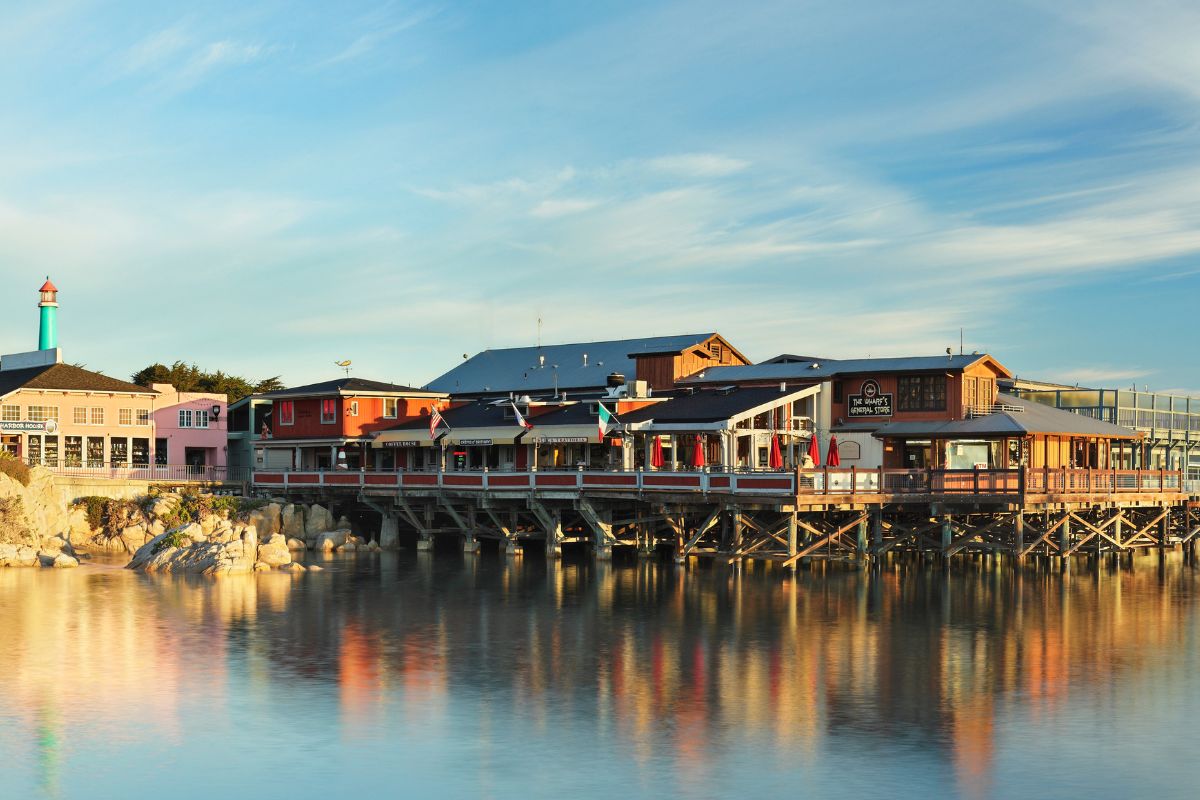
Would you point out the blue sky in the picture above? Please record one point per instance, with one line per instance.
(267, 188)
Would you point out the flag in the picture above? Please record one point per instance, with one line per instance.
(524, 423)
(606, 420)
(435, 422)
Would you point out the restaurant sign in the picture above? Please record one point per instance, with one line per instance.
(562, 440)
(409, 443)
(869, 402)
(475, 442)
(49, 426)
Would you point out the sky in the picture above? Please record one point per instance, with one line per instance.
(268, 188)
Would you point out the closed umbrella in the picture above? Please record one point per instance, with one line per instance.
(814, 451)
(776, 459)
(698, 452)
(656, 454)
(832, 459)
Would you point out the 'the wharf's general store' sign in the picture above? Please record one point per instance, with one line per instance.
(869, 402)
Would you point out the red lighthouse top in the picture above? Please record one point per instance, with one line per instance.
(48, 286)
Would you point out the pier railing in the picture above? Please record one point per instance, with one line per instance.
(155, 473)
(805, 482)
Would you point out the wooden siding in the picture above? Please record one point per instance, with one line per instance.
(664, 370)
(369, 420)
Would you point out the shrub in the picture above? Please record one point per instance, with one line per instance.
(95, 509)
(175, 539)
(14, 468)
(110, 516)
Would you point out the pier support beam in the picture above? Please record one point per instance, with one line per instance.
(1019, 536)
(791, 538)
(389, 530)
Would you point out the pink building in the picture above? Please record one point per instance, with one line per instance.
(190, 427)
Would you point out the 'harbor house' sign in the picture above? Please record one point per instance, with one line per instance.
(869, 402)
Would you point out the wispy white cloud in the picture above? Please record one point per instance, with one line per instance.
(380, 33)
(561, 207)
(698, 165)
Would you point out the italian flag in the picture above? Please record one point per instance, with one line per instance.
(605, 420)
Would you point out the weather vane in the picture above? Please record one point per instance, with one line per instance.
(345, 365)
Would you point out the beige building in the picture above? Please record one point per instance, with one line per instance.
(63, 416)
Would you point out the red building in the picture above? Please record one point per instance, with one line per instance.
(329, 425)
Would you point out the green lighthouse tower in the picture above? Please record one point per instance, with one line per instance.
(48, 331)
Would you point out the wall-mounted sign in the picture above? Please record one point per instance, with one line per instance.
(475, 442)
(869, 402)
(412, 443)
(562, 440)
(49, 426)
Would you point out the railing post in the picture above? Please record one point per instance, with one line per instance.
(826, 487)
(1161, 476)
(853, 480)
(975, 479)
(879, 479)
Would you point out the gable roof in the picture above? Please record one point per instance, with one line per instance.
(67, 378)
(345, 386)
(518, 369)
(823, 370)
(1016, 417)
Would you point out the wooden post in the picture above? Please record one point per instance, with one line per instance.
(1019, 534)
(947, 534)
(861, 538)
(791, 538)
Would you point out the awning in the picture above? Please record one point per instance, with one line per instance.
(410, 437)
(482, 437)
(563, 434)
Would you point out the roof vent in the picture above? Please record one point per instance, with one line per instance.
(726, 390)
(815, 365)
(616, 379)
(541, 361)
(585, 359)
(783, 386)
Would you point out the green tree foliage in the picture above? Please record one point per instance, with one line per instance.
(190, 378)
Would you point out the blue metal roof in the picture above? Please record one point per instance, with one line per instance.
(822, 370)
(517, 369)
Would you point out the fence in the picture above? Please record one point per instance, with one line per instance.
(156, 473)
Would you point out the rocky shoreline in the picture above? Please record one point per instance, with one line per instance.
(185, 532)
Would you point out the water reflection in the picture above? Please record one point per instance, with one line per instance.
(489, 677)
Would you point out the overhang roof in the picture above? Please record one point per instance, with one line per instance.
(708, 405)
(823, 370)
(347, 387)
(1025, 418)
(66, 378)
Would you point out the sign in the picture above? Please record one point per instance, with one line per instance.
(475, 442)
(869, 402)
(409, 443)
(49, 426)
(562, 440)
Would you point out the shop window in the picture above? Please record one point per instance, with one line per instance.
(10, 413)
(328, 411)
(73, 451)
(33, 446)
(119, 452)
(287, 412)
(95, 451)
(921, 393)
(51, 451)
(141, 452)
(160, 452)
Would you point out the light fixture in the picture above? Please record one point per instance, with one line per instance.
(215, 411)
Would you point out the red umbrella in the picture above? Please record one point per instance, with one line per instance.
(814, 451)
(776, 459)
(832, 459)
(656, 455)
(698, 453)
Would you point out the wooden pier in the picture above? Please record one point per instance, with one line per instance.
(841, 514)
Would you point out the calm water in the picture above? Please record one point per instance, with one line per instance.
(451, 676)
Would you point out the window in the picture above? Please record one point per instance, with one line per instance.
(839, 392)
(201, 418)
(921, 393)
(43, 413)
(185, 418)
(95, 451)
(79, 415)
(143, 416)
(328, 411)
(287, 412)
(353, 409)
(391, 407)
(160, 452)
(716, 350)
(73, 451)
(97, 415)
(141, 452)
(10, 413)
(125, 416)
(118, 452)
(51, 453)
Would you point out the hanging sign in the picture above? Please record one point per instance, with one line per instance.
(869, 402)
(475, 442)
(409, 443)
(563, 440)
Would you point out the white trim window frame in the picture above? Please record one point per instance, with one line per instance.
(200, 418)
(328, 411)
(391, 407)
(288, 418)
(79, 415)
(125, 417)
(10, 413)
(185, 418)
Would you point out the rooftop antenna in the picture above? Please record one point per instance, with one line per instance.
(960, 341)
(539, 336)
(345, 365)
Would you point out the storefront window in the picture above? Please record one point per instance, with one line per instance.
(51, 451)
(921, 393)
(73, 451)
(95, 451)
(141, 452)
(34, 447)
(968, 455)
(119, 452)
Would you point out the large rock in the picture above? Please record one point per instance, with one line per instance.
(318, 520)
(274, 552)
(331, 540)
(291, 520)
(189, 549)
(267, 520)
(64, 561)
(296, 544)
(164, 505)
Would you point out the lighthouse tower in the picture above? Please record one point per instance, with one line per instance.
(48, 330)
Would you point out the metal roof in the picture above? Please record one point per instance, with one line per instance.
(709, 405)
(1029, 419)
(516, 369)
(823, 370)
(344, 386)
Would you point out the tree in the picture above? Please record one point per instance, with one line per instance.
(190, 378)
